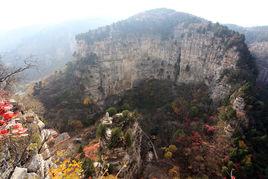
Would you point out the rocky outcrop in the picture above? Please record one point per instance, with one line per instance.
(260, 51)
(257, 40)
(121, 145)
(27, 156)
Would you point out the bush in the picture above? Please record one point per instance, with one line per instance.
(101, 131)
(179, 133)
(115, 138)
(168, 155)
(172, 148)
(227, 113)
(112, 111)
(125, 113)
(194, 111)
(128, 139)
(88, 167)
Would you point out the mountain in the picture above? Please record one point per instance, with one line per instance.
(50, 46)
(257, 40)
(178, 86)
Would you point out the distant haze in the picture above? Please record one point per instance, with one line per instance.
(20, 13)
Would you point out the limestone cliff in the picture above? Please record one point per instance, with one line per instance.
(257, 40)
(160, 44)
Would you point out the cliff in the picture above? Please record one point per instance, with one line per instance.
(160, 44)
(257, 40)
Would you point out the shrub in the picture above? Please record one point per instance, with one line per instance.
(227, 113)
(112, 111)
(194, 111)
(67, 169)
(179, 133)
(88, 167)
(128, 139)
(168, 155)
(125, 113)
(101, 131)
(172, 148)
(115, 137)
(210, 130)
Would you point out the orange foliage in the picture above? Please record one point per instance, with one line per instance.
(91, 151)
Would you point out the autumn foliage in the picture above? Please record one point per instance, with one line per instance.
(91, 151)
(68, 169)
(10, 125)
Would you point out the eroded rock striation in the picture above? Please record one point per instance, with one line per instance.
(160, 44)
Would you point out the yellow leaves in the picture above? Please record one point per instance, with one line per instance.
(174, 172)
(169, 151)
(87, 101)
(68, 169)
(242, 144)
(247, 160)
(168, 155)
(172, 148)
(108, 177)
(175, 108)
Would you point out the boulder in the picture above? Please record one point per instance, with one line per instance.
(19, 173)
(36, 163)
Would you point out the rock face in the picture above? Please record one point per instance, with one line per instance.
(260, 51)
(160, 44)
(257, 40)
(192, 50)
(122, 154)
(23, 157)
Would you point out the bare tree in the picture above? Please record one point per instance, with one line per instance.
(8, 75)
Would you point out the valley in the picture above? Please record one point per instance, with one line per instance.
(162, 94)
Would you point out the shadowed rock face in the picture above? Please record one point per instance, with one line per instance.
(257, 40)
(260, 51)
(164, 45)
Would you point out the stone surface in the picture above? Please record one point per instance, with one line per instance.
(19, 173)
(192, 54)
(239, 104)
(32, 176)
(62, 137)
(35, 163)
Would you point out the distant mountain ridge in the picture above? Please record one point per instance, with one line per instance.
(257, 40)
(52, 46)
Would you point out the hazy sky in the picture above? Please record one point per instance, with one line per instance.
(19, 13)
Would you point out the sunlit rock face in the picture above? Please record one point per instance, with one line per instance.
(159, 44)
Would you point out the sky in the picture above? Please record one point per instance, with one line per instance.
(22, 13)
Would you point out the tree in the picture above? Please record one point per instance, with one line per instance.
(8, 75)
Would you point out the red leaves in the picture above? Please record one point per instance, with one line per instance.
(9, 125)
(4, 131)
(209, 129)
(9, 115)
(4, 107)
